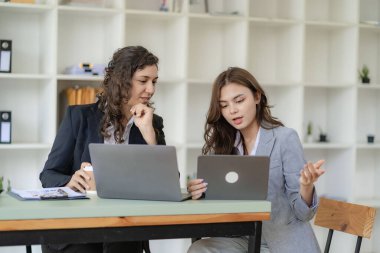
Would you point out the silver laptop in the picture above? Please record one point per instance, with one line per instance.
(234, 177)
(145, 172)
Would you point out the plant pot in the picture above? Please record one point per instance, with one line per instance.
(370, 138)
(309, 138)
(323, 138)
(366, 80)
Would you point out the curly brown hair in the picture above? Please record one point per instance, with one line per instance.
(219, 135)
(117, 85)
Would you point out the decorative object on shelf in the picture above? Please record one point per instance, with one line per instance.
(364, 74)
(85, 69)
(23, 1)
(5, 56)
(1, 184)
(5, 127)
(309, 133)
(322, 135)
(370, 138)
(164, 6)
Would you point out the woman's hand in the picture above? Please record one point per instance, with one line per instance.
(311, 172)
(79, 181)
(196, 187)
(143, 119)
(309, 175)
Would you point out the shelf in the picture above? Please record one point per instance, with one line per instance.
(375, 145)
(369, 87)
(88, 11)
(327, 145)
(24, 8)
(25, 146)
(81, 78)
(328, 25)
(25, 76)
(328, 85)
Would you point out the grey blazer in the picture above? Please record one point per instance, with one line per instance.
(289, 230)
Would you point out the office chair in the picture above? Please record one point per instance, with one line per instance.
(345, 217)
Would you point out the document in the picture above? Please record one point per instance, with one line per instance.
(47, 193)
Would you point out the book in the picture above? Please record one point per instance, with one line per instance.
(47, 194)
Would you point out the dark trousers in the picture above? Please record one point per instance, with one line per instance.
(114, 247)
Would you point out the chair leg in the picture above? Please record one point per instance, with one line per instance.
(358, 244)
(328, 242)
(28, 249)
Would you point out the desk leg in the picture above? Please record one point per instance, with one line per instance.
(28, 249)
(254, 242)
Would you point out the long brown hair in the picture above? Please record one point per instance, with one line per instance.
(219, 135)
(117, 85)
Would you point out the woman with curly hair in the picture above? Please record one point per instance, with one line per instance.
(122, 115)
(239, 122)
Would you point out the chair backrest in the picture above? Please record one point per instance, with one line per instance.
(345, 217)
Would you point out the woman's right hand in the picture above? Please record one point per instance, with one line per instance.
(78, 181)
(196, 187)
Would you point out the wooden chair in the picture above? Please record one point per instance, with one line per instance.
(345, 217)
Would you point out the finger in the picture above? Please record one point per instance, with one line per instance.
(306, 174)
(312, 171)
(197, 187)
(79, 187)
(195, 182)
(198, 193)
(318, 164)
(82, 174)
(81, 177)
(196, 196)
(84, 164)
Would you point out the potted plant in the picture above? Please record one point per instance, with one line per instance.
(364, 74)
(370, 138)
(309, 132)
(322, 135)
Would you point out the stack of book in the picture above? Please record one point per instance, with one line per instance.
(81, 95)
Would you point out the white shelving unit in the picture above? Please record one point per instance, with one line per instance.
(305, 54)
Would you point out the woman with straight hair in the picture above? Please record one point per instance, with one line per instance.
(239, 122)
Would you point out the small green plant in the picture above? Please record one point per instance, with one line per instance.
(364, 74)
(1, 184)
(9, 188)
(309, 128)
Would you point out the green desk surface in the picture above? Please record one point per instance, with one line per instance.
(14, 209)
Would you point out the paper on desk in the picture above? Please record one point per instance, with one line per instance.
(48, 193)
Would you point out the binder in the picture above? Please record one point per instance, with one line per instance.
(5, 56)
(5, 126)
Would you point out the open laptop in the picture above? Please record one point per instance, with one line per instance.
(145, 172)
(234, 177)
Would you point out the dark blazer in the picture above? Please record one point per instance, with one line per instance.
(79, 128)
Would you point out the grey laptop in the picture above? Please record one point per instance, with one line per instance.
(234, 177)
(145, 172)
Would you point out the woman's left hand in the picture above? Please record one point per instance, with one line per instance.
(311, 172)
(143, 119)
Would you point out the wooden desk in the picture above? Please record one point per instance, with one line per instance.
(106, 220)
